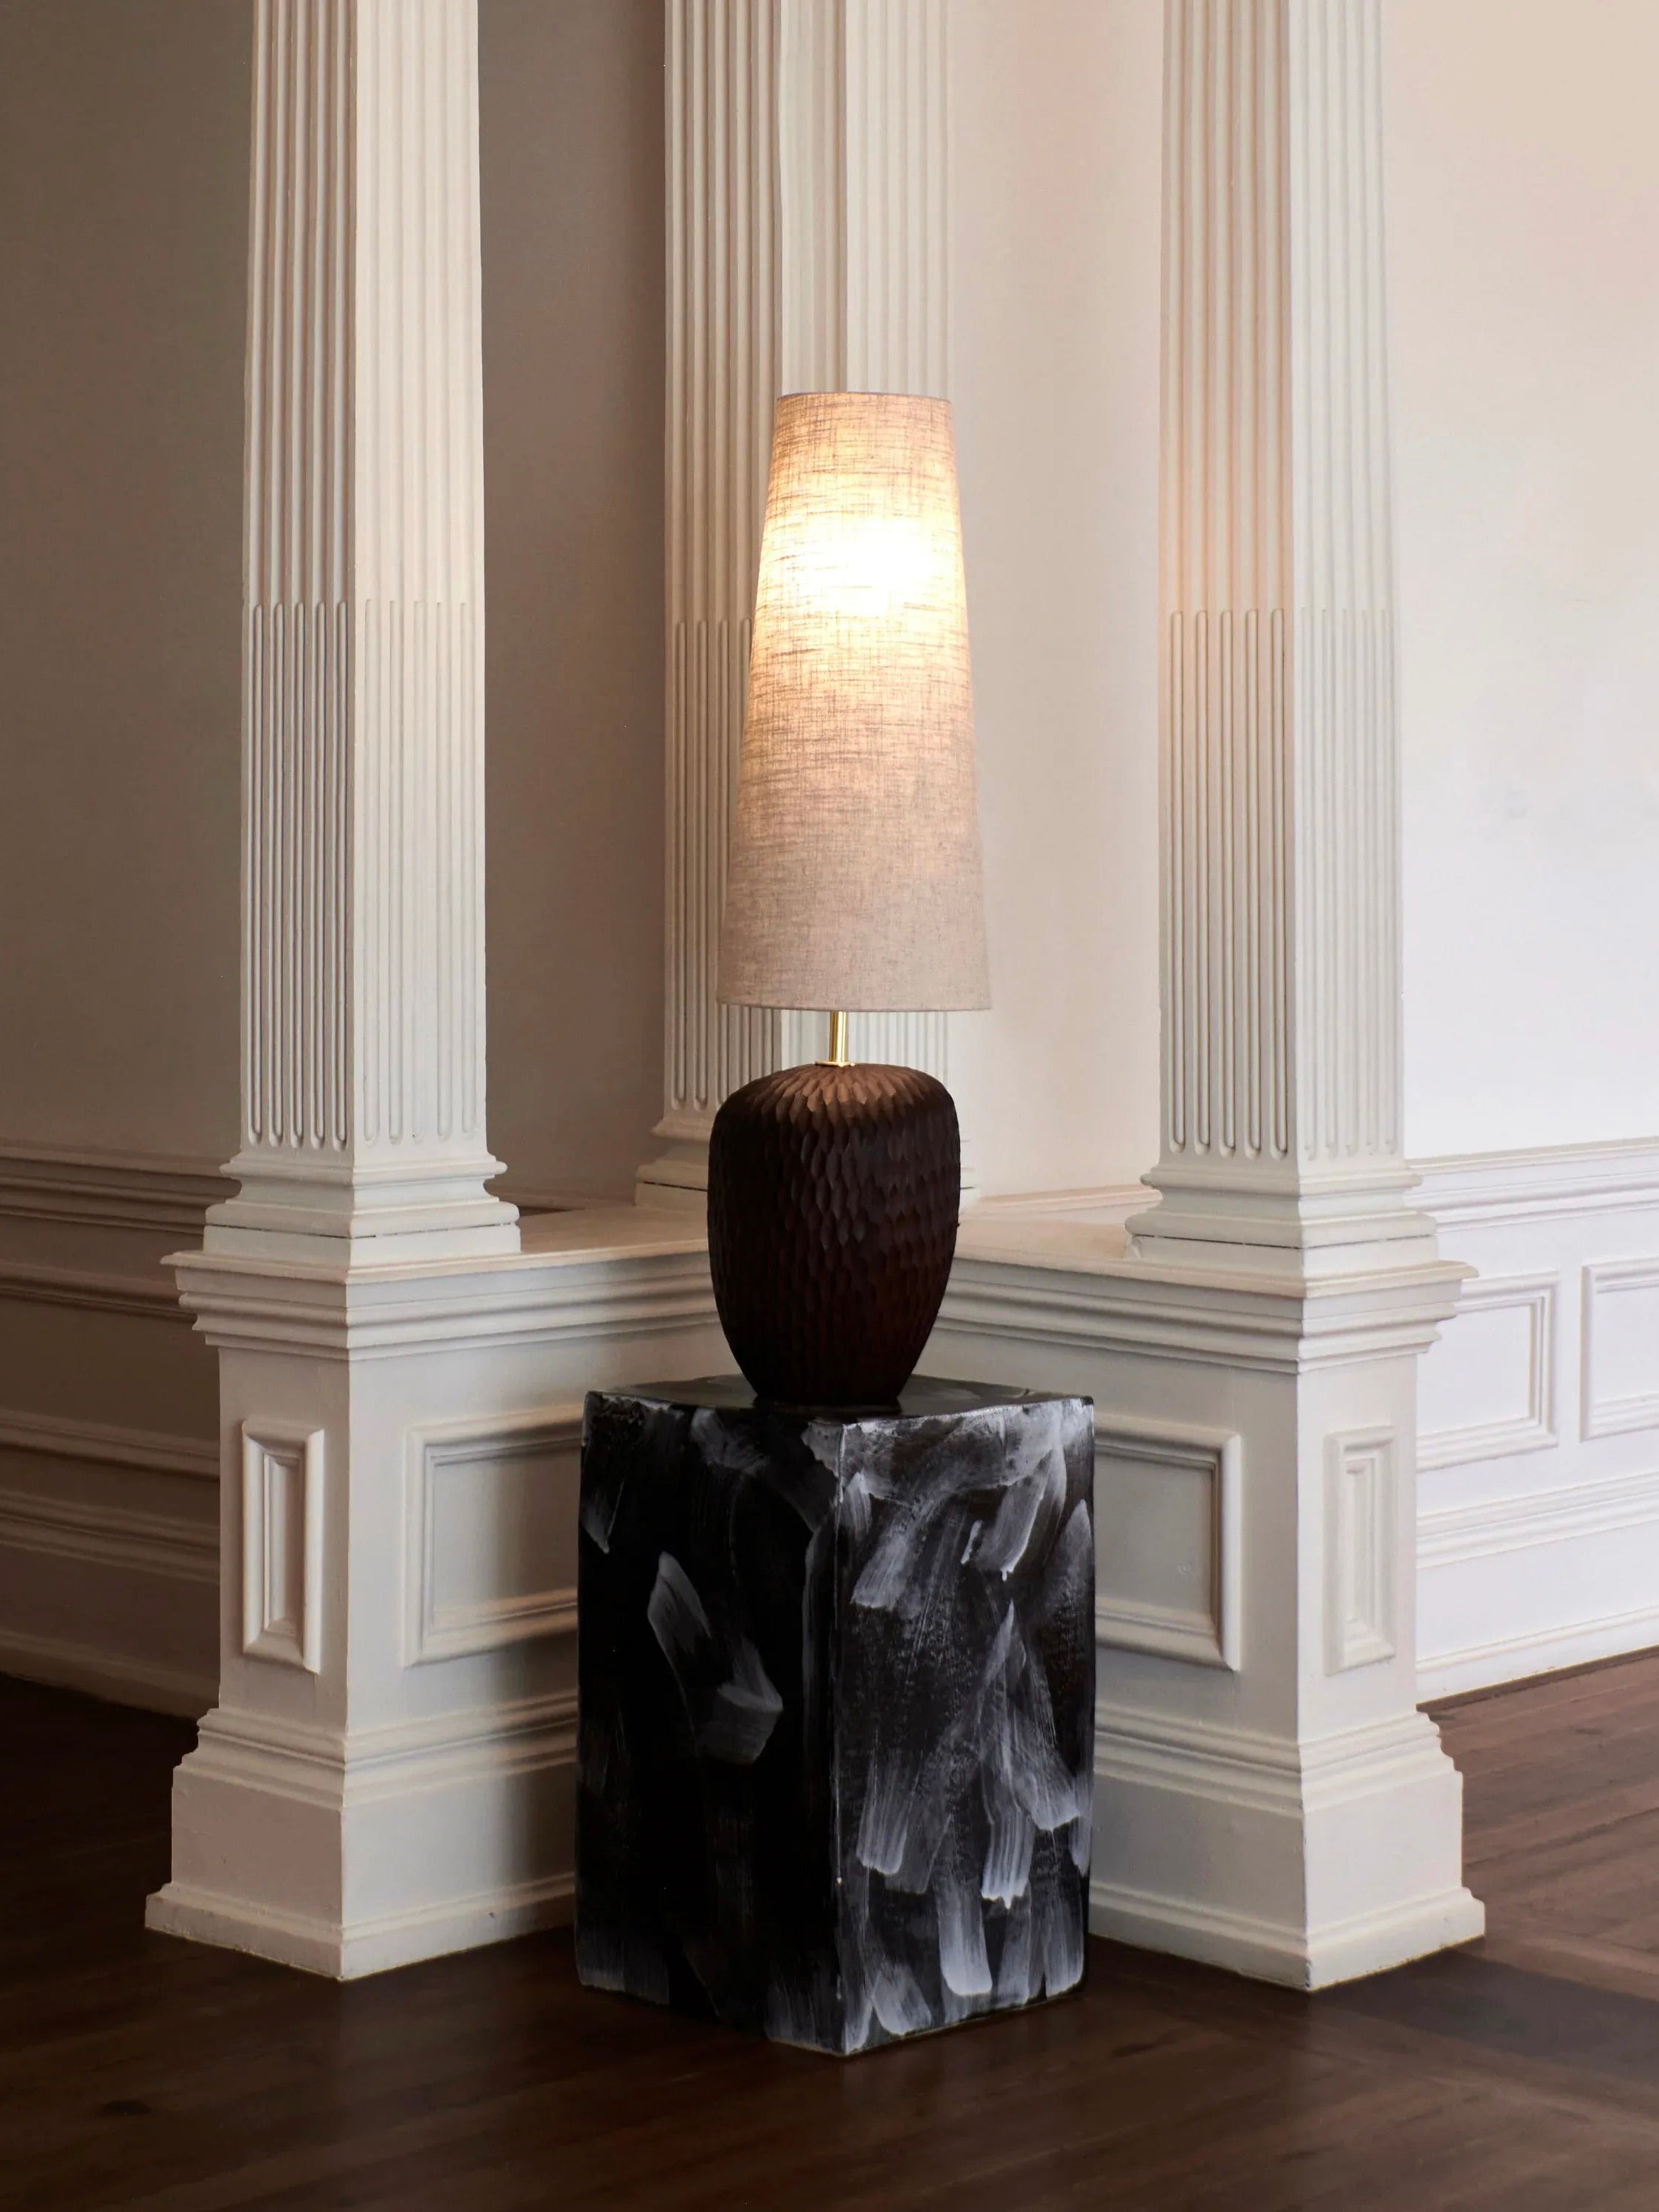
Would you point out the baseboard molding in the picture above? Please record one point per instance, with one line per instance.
(471, 1813)
(1267, 1952)
(123, 1681)
(1301, 1864)
(1539, 1651)
(374, 1946)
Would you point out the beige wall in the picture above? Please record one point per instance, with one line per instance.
(1055, 156)
(123, 240)
(124, 133)
(572, 138)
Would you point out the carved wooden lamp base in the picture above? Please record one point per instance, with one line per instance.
(833, 1197)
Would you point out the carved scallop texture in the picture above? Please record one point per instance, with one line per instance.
(807, 251)
(722, 381)
(833, 1196)
(363, 1022)
(1280, 788)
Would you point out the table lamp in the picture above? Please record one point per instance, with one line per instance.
(855, 884)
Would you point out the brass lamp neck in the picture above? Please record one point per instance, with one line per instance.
(838, 1055)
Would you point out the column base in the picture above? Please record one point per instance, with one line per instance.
(1281, 1223)
(389, 1772)
(1269, 1797)
(321, 1946)
(345, 1856)
(1305, 1865)
(1266, 1951)
(362, 1214)
(678, 1176)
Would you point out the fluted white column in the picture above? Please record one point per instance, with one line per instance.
(807, 166)
(1281, 1063)
(363, 876)
(1271, 1796)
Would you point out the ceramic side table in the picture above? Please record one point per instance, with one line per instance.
(836, 1726)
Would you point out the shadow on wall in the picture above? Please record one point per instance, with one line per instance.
(572, 153)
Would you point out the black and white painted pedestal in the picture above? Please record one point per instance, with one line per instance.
(836, 1706)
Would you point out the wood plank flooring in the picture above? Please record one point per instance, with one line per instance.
(141, 2072)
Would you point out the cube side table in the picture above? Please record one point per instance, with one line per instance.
(836, 1726)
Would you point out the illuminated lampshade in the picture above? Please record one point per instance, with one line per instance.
(856, 877)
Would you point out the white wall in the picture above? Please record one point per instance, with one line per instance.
(1523, 209)
(1056, 118)
(1523, 199)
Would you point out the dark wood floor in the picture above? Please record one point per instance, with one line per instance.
(136, 2071)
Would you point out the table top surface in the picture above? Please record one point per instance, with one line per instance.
(923, 1397)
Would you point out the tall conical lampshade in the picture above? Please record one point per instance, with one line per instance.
(854, 883)
(854, 878)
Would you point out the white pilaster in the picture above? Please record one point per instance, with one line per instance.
(807, 170)
(1271, 1798)
(388, 1771)
(1281, 1124)
(363, 863)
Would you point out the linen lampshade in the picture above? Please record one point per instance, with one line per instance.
(855, 878)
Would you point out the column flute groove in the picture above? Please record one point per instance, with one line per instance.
(1280, 754)
(363, 1039)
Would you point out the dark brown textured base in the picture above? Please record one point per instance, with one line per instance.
(833, 1196)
